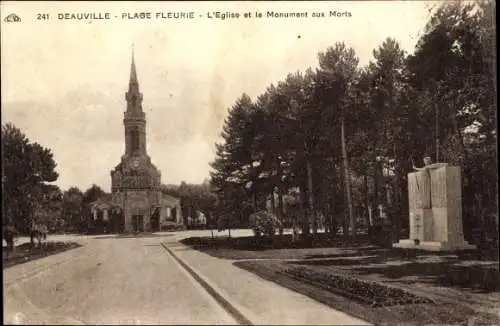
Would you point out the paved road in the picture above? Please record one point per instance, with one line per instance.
(133, 280)
(109, 281)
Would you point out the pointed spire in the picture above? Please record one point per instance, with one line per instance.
(133, 73)
(133, 95)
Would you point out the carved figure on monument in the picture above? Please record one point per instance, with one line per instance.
(429, 165)
(423, 182)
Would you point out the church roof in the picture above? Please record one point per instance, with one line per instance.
(133, 72)
(106, 199)
(170, 199)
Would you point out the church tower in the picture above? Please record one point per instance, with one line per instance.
(135, 181)
(134, 118)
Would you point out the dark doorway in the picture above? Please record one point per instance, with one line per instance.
(155, 220)
(98, 227)
(121, 222)
(174, 214)
(138, 223)
(117, 222)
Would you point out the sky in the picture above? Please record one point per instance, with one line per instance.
(64, 81)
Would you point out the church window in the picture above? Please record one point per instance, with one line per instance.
(134, 135)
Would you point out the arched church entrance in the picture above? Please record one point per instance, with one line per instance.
(138, 223)
(117, 221)
(155, 220)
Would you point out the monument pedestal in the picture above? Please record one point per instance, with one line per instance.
(433, 245)
(435, 199)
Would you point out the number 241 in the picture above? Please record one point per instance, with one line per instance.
(42, 16)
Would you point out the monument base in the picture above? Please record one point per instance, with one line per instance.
(433, 245)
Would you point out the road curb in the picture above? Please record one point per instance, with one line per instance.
(228, 306)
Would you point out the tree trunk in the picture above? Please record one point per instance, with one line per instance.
(280, 209)
(367, 200)
(332, 215)
(280, 195)
(460, 138)
(327, 218)
(305, 215)
(376, 199)
(310, 196)
(254, 202)
(273, 202)
(370, 215)
(332, 202)
(466, 179)
(437, 132)
(399, 166)
(344, 217)
(352, 220)
(345, 224)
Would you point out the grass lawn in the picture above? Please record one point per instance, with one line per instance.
(26, 252)
(384, 286)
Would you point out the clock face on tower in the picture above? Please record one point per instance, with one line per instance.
(135, 163)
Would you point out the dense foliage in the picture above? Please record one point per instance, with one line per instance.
(28, 170)
(344, 137)
(30, 200)
(264, 223)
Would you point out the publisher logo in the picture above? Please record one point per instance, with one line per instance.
(12, 18)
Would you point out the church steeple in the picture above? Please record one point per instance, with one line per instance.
(133, 83)
(134, 118)
(133, 96)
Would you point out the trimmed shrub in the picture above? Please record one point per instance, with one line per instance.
(264, 223)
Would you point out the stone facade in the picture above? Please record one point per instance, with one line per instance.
(135, 181)
(102, 207)
(447, 205)
(435, 205)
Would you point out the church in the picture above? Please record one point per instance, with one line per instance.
(135, 181)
